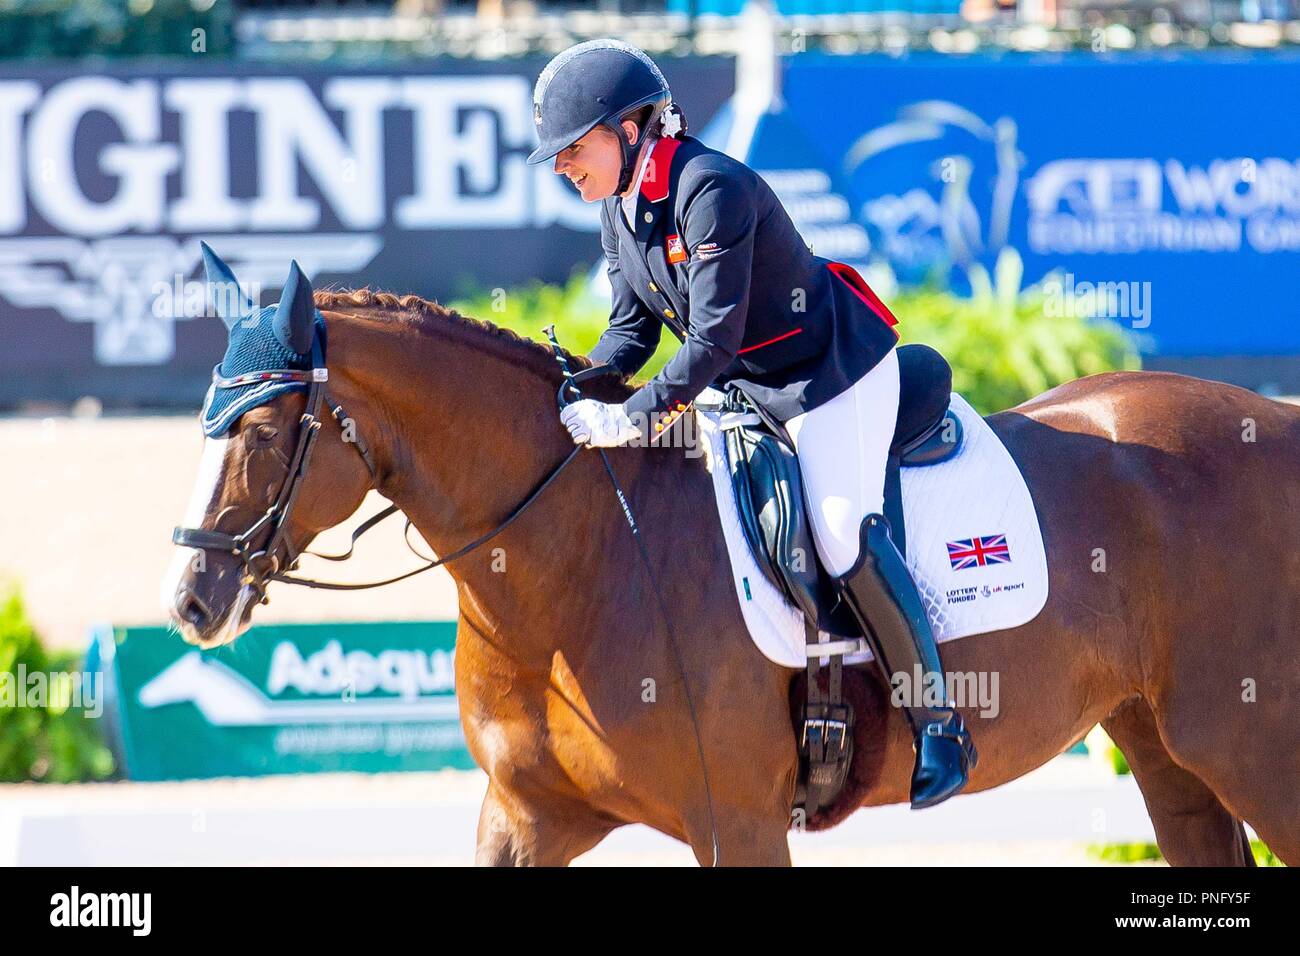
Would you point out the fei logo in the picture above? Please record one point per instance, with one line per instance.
(1096, 186)
(940, 184)
(1142, 205)
(940, 187)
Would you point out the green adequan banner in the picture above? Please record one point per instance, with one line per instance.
(292, 698)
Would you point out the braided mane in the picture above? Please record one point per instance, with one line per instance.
(433, 318)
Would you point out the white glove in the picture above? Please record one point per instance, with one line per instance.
(599, 424)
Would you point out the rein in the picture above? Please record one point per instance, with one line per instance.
(262, 566)
(570, 385)
(432, 563)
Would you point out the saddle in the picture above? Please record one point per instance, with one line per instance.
(769, 489)
(765, 477)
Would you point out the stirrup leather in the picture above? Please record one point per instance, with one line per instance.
(826, 741)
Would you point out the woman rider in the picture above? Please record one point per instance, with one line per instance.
(697, 241)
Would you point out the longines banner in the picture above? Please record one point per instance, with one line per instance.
(407, 181)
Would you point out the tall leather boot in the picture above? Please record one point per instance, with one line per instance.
(882, 595)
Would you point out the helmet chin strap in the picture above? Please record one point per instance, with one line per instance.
(629, 153)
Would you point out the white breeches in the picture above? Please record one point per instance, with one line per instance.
(843, 447)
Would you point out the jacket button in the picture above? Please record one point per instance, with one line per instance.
(653, 287)
(649, 217)
(670, 313)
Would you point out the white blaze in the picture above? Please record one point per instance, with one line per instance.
(205, 489)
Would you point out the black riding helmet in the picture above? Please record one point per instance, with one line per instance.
(593, 83)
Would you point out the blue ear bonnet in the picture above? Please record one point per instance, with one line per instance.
(253, 349)
(270, 351)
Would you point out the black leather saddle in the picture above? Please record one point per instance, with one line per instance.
(769, 490)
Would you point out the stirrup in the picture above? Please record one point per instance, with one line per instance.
(946, 722)
(950, 764)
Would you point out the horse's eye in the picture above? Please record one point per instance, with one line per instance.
(266, 434)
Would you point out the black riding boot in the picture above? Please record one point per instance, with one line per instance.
(883, 597)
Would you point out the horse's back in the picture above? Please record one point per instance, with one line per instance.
(1189, 480)
(1209, 425)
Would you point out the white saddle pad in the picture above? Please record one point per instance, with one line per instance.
(973, 542)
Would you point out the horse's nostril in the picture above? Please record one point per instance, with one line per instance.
(192, 609)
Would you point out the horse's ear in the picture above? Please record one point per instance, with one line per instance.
(295, 316)
(224, 293)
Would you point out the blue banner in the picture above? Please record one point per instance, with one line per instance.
(1173, 180)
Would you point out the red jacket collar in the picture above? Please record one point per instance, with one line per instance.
(654, 184)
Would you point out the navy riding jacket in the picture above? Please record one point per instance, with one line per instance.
(716, 258)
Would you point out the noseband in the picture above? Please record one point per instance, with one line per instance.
(262, 565)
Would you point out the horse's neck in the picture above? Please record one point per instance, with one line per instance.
(466, 436)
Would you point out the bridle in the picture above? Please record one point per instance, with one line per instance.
(262, 565)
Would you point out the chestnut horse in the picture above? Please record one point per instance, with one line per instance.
(1170, 508)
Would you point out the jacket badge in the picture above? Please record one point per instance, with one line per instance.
(676, 249)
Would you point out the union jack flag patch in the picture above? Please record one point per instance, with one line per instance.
(676, 249)
(978, 552)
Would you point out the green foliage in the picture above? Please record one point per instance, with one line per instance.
(57, 742)
(75, 29)
(1124, 852)
(1103, 750)
(1118, 761)
(1263, 855)
(1141, 852)
(579, 317)
(1003, 346)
